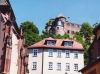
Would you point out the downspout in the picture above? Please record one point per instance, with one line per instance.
(42, 60)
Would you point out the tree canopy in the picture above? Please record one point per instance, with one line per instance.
(31, 32)
(84, 37)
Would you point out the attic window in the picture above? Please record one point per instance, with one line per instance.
(67, 43)
(51, 43)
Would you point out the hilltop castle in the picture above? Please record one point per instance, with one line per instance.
(60, 26)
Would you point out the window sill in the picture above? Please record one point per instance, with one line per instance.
(59, 69)
(75, 70)
(34, 69)
(75, 57)
(50, 56)
(67, 57)
(34, 56)
(50, 69)
(67, 70)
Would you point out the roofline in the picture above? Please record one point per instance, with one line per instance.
(90, 65)
(44, 47)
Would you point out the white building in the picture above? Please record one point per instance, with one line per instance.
(55, 56)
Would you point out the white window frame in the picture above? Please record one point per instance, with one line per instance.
(51, 43)
(65, 43)
(67, 52)
(34, 54)
(75, 67)
(58, 66)
(75, 54)
(34, 65)
(50, 65)
(69, 44)
(68, 66)
(50, 51)
(59, 52)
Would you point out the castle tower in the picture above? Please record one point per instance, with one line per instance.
(58, 25)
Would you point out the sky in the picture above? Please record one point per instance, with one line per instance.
(41, 11)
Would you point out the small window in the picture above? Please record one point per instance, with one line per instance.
(34, 66)
(35, 51)
(75, 67)
(67, 43)
(67, 53)
(58, 66)
(59, 53)
(50, 65)
(72, 32)
(50, 52)
(68, 31)
(57, 28)
(51, 43)
(75, 54)
(77, 26)
(67, 66)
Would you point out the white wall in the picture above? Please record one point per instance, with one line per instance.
(37, 59)
(63, 60)
(14, 55)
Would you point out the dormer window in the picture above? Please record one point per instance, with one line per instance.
(51, 43)
(67, 43)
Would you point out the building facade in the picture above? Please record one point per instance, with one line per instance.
(61, 26)
(13, 50)
(93, 66)
(55, 56)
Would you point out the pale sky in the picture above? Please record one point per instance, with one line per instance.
(40, 11)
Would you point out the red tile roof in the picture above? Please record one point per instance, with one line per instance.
(76, 45)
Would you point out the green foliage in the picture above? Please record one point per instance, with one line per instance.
(95, 24)
(86, 32)
(84, 37)
(31, 32)
(50, 22)
(46, 35)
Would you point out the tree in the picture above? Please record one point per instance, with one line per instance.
(86, 32)
(95, 24)
(84, 37)
(31, 32)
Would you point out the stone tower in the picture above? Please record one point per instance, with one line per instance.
(61, 26)
(58, 25)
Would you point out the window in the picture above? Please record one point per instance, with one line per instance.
(57, 28)
(75, 67)
(50, 52)
(50, 65)
(67, 66)
(67, 43)
(72, 32)
(34, 66)
(51, 43)
(35, 51)
(58, 66)
(75, 54)
(59, 53)
(68, 31)
(67, 53)
(77, 26)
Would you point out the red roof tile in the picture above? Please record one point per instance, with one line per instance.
(58, 44)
